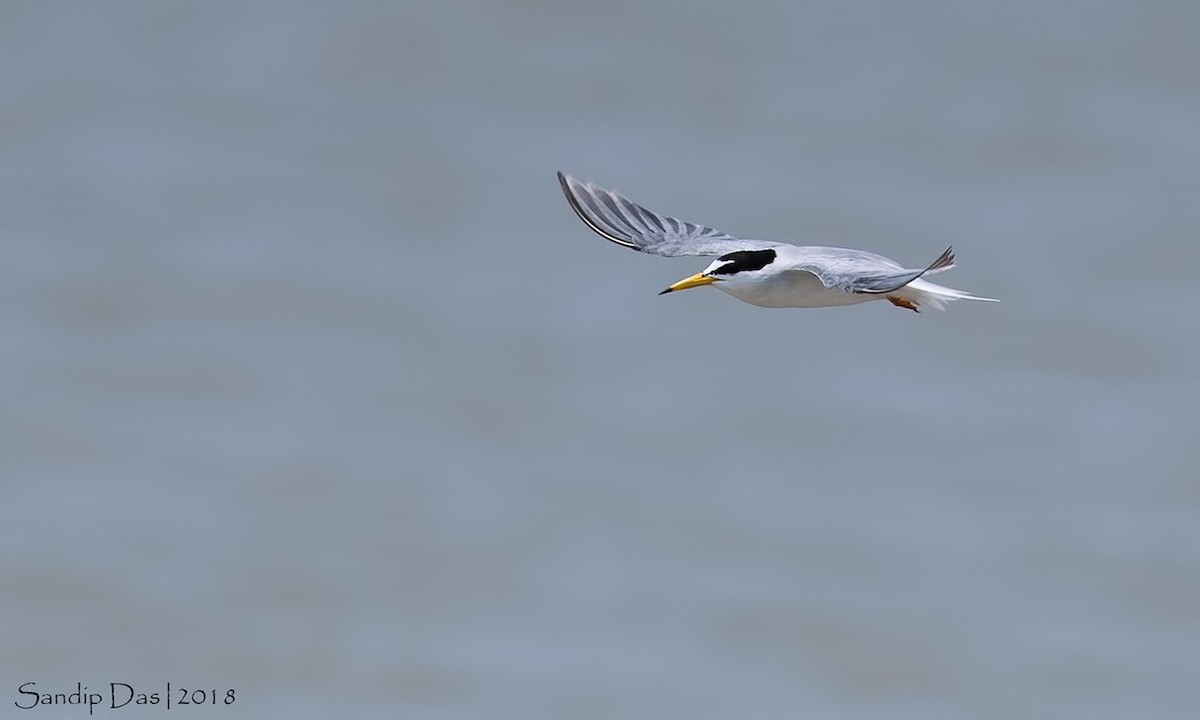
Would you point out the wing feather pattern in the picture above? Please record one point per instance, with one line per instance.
(618, 219)
(860, 272)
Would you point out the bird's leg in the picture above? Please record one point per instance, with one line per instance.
(902, 302)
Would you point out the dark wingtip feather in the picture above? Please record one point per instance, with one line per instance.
(565, 183)
(945, 260)
(590, 218)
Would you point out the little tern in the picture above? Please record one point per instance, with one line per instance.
(761, 272)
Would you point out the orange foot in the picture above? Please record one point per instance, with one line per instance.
(901, 302)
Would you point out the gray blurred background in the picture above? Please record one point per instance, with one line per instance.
(314, 388)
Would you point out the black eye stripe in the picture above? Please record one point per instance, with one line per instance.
(744, 260)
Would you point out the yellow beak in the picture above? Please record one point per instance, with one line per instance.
(690, 282)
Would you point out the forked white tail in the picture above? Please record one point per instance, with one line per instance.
(922, 292)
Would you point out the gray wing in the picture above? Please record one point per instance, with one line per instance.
(860, 272)
(620, 220)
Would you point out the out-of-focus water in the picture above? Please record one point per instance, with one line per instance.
(314, 388)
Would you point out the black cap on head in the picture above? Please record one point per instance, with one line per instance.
(744, 260)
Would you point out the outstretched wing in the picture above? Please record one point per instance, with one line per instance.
(620, 220)
(856, 271)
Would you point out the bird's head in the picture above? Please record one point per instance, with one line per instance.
(738, 266)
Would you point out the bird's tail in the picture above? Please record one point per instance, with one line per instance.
(923, 292)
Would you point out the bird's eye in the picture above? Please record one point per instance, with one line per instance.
(744, 261)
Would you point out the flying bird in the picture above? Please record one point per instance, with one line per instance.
(762, 272)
